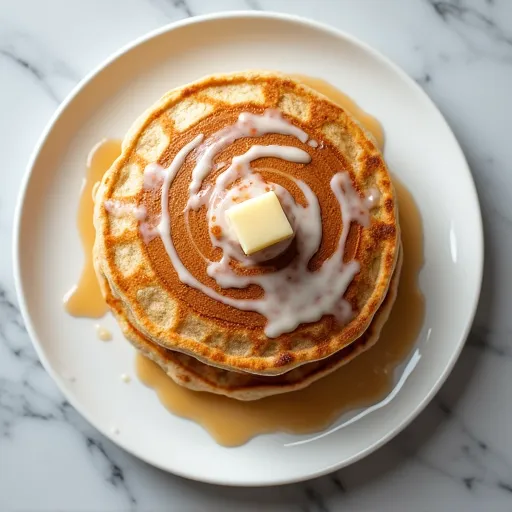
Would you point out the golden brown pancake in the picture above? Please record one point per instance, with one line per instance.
(181, 318)
(193, 374)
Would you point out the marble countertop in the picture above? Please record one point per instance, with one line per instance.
(457, 454)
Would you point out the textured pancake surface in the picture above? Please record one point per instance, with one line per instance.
(193, 374)
(177, 317)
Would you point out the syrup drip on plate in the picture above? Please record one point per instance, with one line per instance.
(103, 333)
(85, 298)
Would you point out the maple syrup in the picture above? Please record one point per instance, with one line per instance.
(103, 333)
(85, 298)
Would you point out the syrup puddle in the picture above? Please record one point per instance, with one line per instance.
(85, 298)
(366, 382)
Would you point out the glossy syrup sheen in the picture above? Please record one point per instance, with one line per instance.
(85, 298)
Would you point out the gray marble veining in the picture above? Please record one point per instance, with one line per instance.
(457, 454)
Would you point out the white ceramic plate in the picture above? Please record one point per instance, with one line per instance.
(420, 148)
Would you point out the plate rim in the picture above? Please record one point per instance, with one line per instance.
(20, 203)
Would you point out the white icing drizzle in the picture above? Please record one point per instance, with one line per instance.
(147, 228)
(148, 231)
(313, 143)
(153, 177)
(119, 209)
(293, 295)
(248, 125)
(164, 226)
(240, 167)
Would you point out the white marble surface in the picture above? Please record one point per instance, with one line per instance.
(457, 454)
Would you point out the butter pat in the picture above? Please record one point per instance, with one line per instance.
(259, 222)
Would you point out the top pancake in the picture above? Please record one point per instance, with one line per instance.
(178, 317)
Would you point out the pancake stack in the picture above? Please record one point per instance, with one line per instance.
(186, 297)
